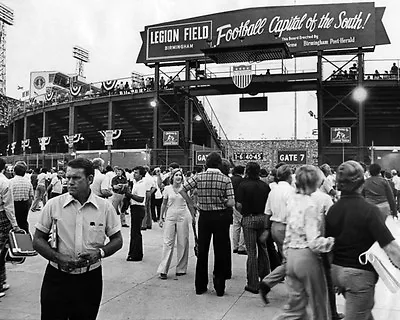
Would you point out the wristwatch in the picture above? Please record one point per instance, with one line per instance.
(102, 253)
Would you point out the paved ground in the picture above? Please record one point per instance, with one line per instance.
(132, 290)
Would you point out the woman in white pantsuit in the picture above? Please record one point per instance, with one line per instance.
(175, 217)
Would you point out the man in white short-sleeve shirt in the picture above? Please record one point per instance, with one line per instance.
(77, 224)
(138, 197)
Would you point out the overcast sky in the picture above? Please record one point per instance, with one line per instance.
(46, 30)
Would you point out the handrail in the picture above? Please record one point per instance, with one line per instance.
(144, 82)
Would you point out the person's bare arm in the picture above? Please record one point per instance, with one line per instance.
(230, 203)
(189, 202)
(109, 249)
(393, 252)
(41, 245)
(163, 211)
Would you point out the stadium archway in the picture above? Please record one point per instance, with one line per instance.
(252, 35)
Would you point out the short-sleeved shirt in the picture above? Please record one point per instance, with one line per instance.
(236, 180)
(213, 188)
(57, 185)
(253, 195)
(42, 179)
(356, 225)
(304, 222)
(21, 188)
(278, 200)
(177, 209)
(327, 185)
(7, 199)
(149, 181)
(79, 227)
(96, 185)
(139, 189)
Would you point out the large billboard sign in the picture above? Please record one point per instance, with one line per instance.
(305, 29)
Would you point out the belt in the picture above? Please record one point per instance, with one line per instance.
(252, 214)
(77, 270)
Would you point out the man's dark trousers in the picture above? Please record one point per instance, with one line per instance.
(215, 224)
(136, 243)
(21, 214)
(71, 296)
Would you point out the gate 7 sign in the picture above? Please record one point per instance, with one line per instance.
(201, 156)
(292, 157)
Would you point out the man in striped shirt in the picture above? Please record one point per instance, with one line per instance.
(22, 191)
(215, 195)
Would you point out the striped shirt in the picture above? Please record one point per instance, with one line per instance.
(22, 189)
(213, 189)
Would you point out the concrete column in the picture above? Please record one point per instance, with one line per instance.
(25, 132)
(71, 125)
(110, 127)
(154, 156)
(188, 120)
(45, 128)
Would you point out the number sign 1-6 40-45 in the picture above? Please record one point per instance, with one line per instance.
(292, 157)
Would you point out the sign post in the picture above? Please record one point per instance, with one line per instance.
(341, 135)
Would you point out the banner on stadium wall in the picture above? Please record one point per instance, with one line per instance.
(39, 83)
(305, 29)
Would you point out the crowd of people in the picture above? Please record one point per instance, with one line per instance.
(352, 74)
(306, 227)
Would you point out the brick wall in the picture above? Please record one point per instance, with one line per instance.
(270, 148)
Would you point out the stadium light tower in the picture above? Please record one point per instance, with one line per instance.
(81, 55)
(6, 17)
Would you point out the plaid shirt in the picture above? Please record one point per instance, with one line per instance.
(213, 188)
(21, 188)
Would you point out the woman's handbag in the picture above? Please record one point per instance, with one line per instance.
(378, 258)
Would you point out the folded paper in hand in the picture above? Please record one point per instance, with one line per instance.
(386, 270)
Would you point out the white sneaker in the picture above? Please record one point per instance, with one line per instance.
(6, 286)
(2, 294)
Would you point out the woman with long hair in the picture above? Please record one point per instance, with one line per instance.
(175, 218)
(303, 244)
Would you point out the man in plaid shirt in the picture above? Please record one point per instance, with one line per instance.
(215, 195)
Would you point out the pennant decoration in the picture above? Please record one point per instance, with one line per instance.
(110, 135)
(75, 90)
(70, 140)
(43, 142)
(25, 143)
(13, 144)
(109, 84)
